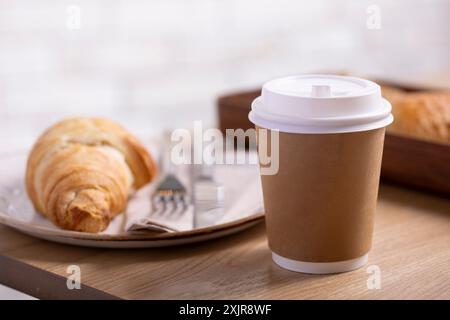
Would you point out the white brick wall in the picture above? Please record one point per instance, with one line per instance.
(152, 63)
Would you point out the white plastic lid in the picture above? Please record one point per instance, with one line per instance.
(321, 104)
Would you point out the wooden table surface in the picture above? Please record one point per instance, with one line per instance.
(411, 248)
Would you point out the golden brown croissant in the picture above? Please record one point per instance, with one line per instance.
(81, 171)
(422, 114)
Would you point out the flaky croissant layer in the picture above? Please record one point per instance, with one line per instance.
(81, 171)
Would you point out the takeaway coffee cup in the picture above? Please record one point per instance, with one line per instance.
(320, 203)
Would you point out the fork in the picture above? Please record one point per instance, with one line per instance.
(170, 195)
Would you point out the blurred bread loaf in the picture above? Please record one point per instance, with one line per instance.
(421, 114)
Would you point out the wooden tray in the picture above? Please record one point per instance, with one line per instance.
(407, 161)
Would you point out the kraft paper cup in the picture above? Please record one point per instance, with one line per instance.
(320, 204)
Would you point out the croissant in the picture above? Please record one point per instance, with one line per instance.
(81, 171)
(422, 114)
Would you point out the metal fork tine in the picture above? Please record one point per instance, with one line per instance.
(170, 192)
(171, 195)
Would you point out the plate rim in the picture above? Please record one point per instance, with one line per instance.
(12, 222)
(145, 244)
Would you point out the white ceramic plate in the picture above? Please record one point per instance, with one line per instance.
(242, 210)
